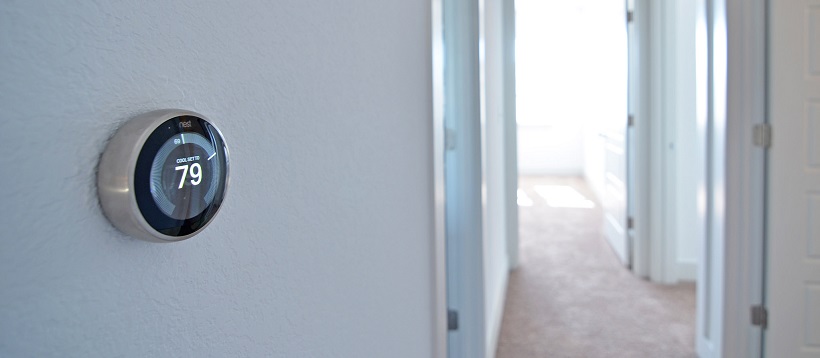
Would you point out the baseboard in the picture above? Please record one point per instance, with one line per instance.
(498, 315)
(687, 270)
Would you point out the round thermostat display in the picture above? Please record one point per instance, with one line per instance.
(186, 163)
(164, 175)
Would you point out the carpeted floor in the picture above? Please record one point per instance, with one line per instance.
(571, 297)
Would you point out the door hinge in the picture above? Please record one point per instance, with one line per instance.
(630, 222)
(763, 135)
(630, 121)
(629, 16)
(452, 320)
(449, 139)
(760, 316)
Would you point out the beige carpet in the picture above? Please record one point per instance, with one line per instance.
(571, 297)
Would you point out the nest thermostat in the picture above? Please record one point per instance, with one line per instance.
(163, 175)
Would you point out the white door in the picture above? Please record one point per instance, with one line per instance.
(614, 134)
(793, 237)
(614, 198)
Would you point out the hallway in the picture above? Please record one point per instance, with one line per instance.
(570, 297)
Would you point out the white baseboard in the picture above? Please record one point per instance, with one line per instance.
(687, 270)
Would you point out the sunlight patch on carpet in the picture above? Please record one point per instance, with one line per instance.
(524, 199)
(563, 196)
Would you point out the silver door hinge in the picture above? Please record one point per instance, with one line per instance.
(763, 135)
(630, 120)
(629, 16)
(452, 320)
(760, 316)
(630, 223)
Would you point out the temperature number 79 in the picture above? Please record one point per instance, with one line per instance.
(196, 174)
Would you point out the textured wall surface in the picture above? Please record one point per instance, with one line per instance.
(323, 248)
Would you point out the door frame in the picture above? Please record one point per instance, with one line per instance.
(659, 243)
(739, 242)
(651, 161)
(640, 144)
(711, 117)
(511, 135)
(460, 152)
(735, 242)
(746, 107)
(652, 157)
(439, 328)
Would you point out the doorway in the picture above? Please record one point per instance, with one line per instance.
(573, 131)
(730, 218)
(476, 262)
(571, 101)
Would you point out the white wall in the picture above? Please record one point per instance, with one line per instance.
(550, 150)
(551, 86)
(568, 86)
(324, 246)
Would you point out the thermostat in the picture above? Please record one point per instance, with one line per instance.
(163, 175)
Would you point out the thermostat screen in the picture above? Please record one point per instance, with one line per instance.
(183, 175)
(180, 175)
